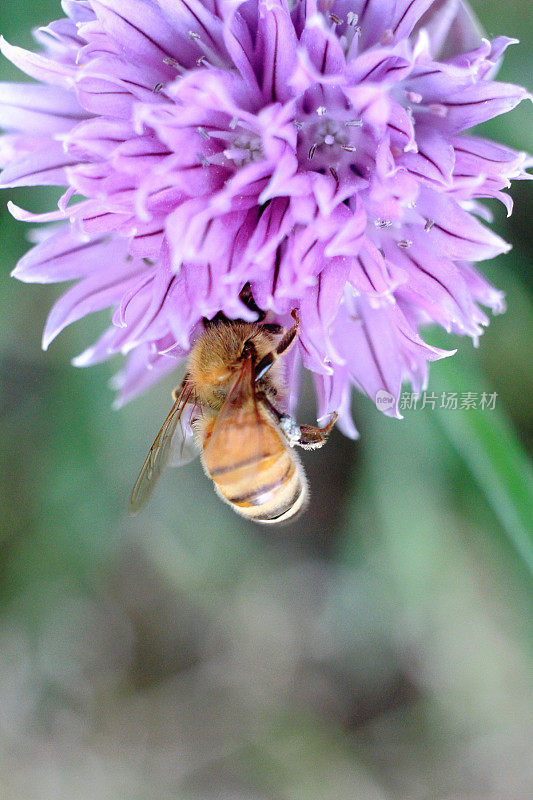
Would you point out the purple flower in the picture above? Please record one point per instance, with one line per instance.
(314, 151)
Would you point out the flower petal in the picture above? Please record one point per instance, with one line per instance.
(455, 233)
(39, 67)
(140, 32)
(38, 109)
(46, 167)
(90, 295)
(64, 255)
(473, 105)
(144, 367)
(317, 311)
(276, 41)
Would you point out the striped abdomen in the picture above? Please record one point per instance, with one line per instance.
(253, 469)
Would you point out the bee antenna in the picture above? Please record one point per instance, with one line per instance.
(218, 319)
(247, 298)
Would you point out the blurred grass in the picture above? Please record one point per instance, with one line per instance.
(495, 458)
(379, 648)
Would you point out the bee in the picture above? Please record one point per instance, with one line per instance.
(226, 409)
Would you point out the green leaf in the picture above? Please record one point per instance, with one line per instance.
(488, 445)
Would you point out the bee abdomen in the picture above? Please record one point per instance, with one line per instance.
(255, 472)
(289, 501)
(268, 489)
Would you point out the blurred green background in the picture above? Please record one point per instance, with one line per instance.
(378, 649)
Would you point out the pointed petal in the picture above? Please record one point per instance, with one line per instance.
(144, 367)
(333, 394)
(140, 32)
(192, 15)
(370, 274)
(38, 109)
(45, 167)
(276, 41)
(39, 67)
(475, 104)
(239, 44)
(455, 233)
(406, 15)
(90, 295)
(64, 255)
(451, 27)
(434, 160)
(318, 309)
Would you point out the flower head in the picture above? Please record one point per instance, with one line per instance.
(314, 153)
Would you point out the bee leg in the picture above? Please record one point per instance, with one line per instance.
(312, 437)
(290, 335)
(273, 328)
(289, 427)
(309, 437)
(284, 344)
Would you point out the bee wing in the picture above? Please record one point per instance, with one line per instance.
(240, 398)
(184, 447)
(239, 430)
(159, 453)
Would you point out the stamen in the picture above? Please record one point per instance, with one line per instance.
(429, 224)
(298, 125)
(352, 19)
(244, 151)
(225, 136)
(233, 123)
(210, 56)
(171, 62)
(383, 223)
(334, 18)
(312, 150)
(405, 243)
(202, 131)
(334, 173)
(321, 111)
(354, 123)
(349, 148)
(157, 88)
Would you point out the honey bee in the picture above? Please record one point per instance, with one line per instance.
(226, 409)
